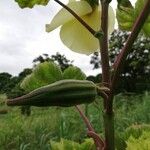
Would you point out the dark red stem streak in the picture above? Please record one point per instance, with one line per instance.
(101, 144)
(98, 141)
(127, 49)
(93, 32)
(85, 119)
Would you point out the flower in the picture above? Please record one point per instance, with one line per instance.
(72, 33)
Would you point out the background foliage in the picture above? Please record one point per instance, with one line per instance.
(135, 75)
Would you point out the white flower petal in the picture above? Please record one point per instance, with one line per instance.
(79, 7)
(77, 38)
(111, 20)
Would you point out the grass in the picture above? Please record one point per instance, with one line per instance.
(18, 132)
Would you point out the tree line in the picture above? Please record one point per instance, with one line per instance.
(134, 78)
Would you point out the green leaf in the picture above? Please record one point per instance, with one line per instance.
(30, 83)
(73, 72)
(55, 145)
(31, 3)
(142, 143)
(71, 145)
(138, 7)
(48, 72)
(124, 3)
(127, 15)
(44, 74)
(88, 144)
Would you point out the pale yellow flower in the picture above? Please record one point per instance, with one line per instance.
(72, 33)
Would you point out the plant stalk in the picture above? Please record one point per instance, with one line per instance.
(109, 131)
(108, 111)
(118, 65)
(103, 40)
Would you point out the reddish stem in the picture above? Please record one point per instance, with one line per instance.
(108, 113)
(128, 46)
(85, 119)
(98, 141)
(101, 144)
(104, 45)
(104, 48)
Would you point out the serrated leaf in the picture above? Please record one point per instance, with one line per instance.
(48, 72)
(70, 145)
(30, 83)
(64, 144)
(88, 145)
(73, 72)
(44, 74)
(55, 145)
(31, 3)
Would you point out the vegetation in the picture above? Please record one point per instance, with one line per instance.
(141, 143)
(82, 31)
(49, 125)
(135, 73)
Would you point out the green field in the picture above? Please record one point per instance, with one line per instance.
(35, 132)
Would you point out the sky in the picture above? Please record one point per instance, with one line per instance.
(23, 37)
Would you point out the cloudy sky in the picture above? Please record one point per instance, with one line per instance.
(23, 37)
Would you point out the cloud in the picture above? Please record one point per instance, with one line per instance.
(23, 37)
(20, 29)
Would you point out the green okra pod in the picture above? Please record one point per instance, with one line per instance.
(63, 93)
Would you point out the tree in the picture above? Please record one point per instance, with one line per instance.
(61, 60)
(4, 80)
(24, 73)
(16, 90)
(13, 86)
(8, 82)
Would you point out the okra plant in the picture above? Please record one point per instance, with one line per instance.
(85, 28)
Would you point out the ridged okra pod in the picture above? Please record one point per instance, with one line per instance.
(63, 93)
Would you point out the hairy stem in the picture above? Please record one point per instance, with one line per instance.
(92, 31)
